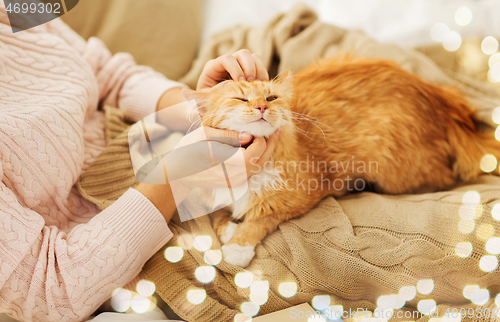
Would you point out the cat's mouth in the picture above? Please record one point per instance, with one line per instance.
(262, 119)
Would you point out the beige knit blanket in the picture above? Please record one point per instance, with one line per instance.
(353, 250)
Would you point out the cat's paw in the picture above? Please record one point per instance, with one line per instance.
(229, 232)
(235, 254)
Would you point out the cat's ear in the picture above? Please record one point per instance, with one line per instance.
(285, 80)
(283, 77)
(201, 99)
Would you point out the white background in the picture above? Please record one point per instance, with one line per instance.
(404, 22)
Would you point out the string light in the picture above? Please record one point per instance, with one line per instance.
(407, 293)
(425, 286)
(243, 280)
(120, 300)
(250, 309)
(174, 254)
(468, 290)
(321, 302)
(488, 163)
(493, 246)
(452, 41)
(480, 296)
(463, 16)
(489, 45)
(205, 274)
(463, 249)
(496, 112)
(426, 307)
(488, 263)
(140, 304)
(288, 289)
(202, 243)
(145, 288)
(196, 296)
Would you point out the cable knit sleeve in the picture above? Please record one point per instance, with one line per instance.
(48, 275)
(122, 83)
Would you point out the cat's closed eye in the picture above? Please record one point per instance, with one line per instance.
(271, 98)
(240, 99)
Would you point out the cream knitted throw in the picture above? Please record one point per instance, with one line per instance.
(355, 249)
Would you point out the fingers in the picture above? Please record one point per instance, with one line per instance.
(254, 152)
(271, 144)
(261, 73)
(240, 66)
(247, 63)
(228, 137)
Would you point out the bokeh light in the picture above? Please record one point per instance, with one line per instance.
(494, 73)
(205, 274)
(120, 300)
(468, 290)
(259, 292)
(202, 243)
(471, 198)
(243, 280)
(452, 41)
(439, 32)
(496, 112)
(196, 296)
(185, 241)
(494, 59)
(493, 246)
(174, 254)
(145, 288)
(495, 212)
(336, 311)
(466, 226)
(240, 317)
(321, 302)
(488, 263)
(488, 163)
(463, 249)
(213, 257)
(467, 212)
(288, 289)
(497, 133)
(485, 231)
(480, 296)
(249, 308)
(140, 304)
(425, 286)
(497, 300)
(426, 307)
(489, 45)
(389, 302)
(463, 16)
(407, 293)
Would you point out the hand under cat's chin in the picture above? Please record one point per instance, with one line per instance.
(256, 128)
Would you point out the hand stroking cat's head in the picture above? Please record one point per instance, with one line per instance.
(256, 107)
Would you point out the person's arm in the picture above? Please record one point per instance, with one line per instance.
(51, 275)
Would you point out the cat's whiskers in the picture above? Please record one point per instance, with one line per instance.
(303, 132)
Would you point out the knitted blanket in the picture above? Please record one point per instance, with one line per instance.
(346, 254)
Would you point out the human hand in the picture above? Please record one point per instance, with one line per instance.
(242, 65)
(194, 160)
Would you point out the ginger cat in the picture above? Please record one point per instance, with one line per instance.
(352, 123)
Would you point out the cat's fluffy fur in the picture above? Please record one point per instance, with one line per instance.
(411, 136)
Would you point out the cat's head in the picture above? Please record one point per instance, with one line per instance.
(256, 107)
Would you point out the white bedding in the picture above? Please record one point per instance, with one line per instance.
(403, 22)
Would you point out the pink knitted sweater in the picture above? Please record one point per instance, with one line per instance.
(60, 257)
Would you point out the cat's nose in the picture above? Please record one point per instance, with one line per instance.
(261, 108)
